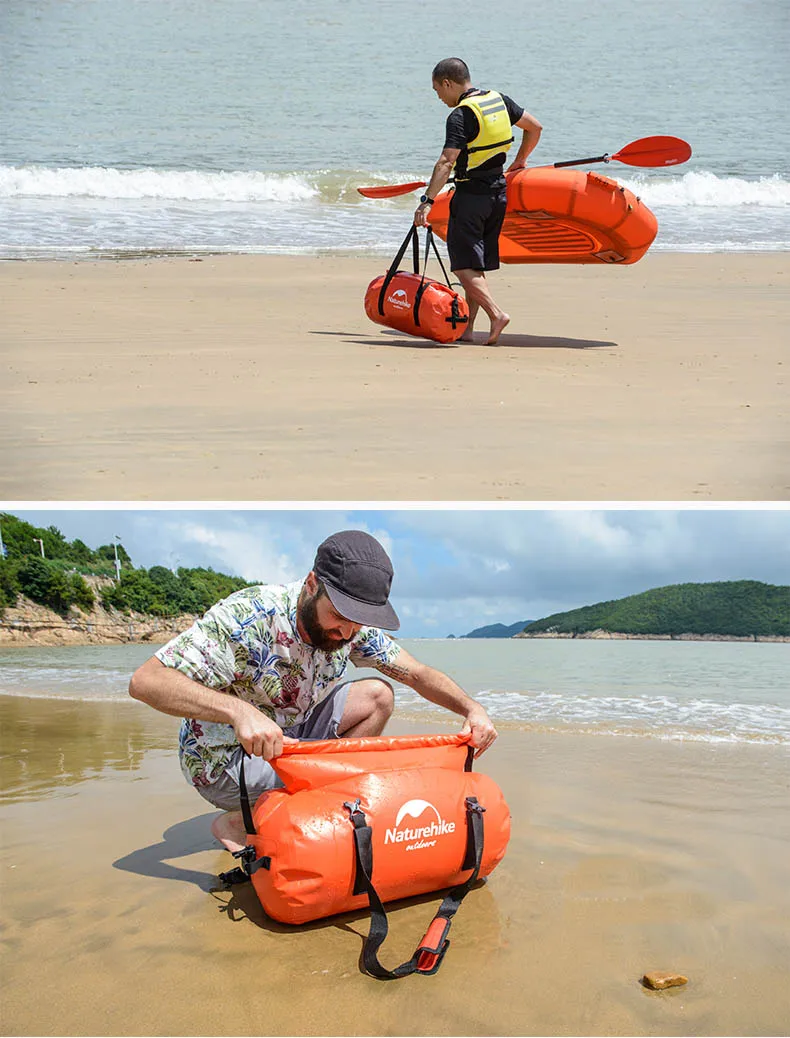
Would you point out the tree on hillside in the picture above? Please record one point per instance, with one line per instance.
(106, 552)
(50, 585)
(80, 554)
(9, 584)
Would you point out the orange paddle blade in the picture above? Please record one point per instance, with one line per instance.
(390, 190)
(655, 151)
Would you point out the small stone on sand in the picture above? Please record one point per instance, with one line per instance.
(658, 980)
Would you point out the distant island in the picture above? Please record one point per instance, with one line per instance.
(723, 610)
(496, 630)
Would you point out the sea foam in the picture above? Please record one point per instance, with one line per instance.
(707, 189)
(689, 190)
(187, 185)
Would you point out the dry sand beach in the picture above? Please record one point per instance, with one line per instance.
(260, 378)
(626, 855)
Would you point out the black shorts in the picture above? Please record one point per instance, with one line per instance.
(473, 231)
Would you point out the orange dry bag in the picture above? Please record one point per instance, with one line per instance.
(364, 821)
(413, 303)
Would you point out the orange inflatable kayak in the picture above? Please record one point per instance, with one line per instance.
(565, 216)
(363, 821)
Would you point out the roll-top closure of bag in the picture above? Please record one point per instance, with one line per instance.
(370, 743)
(322, 763)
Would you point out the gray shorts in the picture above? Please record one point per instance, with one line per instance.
(321, 723)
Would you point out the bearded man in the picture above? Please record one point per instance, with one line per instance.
(267, 665)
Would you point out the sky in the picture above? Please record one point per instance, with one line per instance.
(458, 569)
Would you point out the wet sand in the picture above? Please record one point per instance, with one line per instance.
(261, 378)
(626, 855)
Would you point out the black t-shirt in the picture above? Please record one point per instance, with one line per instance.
(462, 128)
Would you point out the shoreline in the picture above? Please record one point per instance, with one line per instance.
(602, 635)
(33, 625)
(122, 255)
(259, 377)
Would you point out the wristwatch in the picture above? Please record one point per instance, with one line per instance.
(424, 200)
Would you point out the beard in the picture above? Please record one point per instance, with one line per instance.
(319, 638)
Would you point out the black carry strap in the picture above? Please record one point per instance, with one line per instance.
(433, 947)
(393, 267)
(413, 237)
(249, 863)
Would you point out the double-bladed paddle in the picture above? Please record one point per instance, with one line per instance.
(648, 151)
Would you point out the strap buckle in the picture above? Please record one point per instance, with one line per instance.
(472, 804)
(433, 947)
(246, 854)
(249, 863)
(357, 815)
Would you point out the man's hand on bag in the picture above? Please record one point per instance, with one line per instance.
(479, 725)
(258, 734)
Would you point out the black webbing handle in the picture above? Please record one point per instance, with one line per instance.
(393, 268)
(246, 810)
(430, 953)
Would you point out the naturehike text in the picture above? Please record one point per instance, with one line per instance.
(439, 828)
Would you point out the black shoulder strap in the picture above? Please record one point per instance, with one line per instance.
(432, 948)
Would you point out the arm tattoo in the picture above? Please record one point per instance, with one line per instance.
(396, 671)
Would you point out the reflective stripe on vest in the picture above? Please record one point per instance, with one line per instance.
(494, 134)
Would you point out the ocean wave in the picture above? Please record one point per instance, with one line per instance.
(656, 716)
(183, 185)
(708, 189)
(694, 189)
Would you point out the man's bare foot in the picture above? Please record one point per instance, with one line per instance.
(497, 327)
(229, 830)
(468, 336)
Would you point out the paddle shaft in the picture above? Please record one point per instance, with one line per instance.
(581, 162)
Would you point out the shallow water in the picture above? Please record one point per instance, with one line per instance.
(708, 691)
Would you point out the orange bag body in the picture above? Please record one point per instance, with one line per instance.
(412, 790)
(442, 315)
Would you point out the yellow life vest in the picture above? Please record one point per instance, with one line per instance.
(494, 135)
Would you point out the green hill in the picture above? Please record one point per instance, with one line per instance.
(44, 566)
(737, 608)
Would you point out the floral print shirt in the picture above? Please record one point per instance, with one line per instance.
(248, 646)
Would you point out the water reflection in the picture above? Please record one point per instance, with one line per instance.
(49, 745)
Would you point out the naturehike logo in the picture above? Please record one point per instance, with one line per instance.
(421, 835)
(399, 299)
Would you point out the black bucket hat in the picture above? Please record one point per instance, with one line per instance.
(357, 574)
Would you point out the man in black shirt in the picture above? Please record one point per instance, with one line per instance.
(477, 140)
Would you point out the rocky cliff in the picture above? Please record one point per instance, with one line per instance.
(28, 623)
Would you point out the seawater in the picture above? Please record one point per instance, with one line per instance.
(191, 126)
(690, 691)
